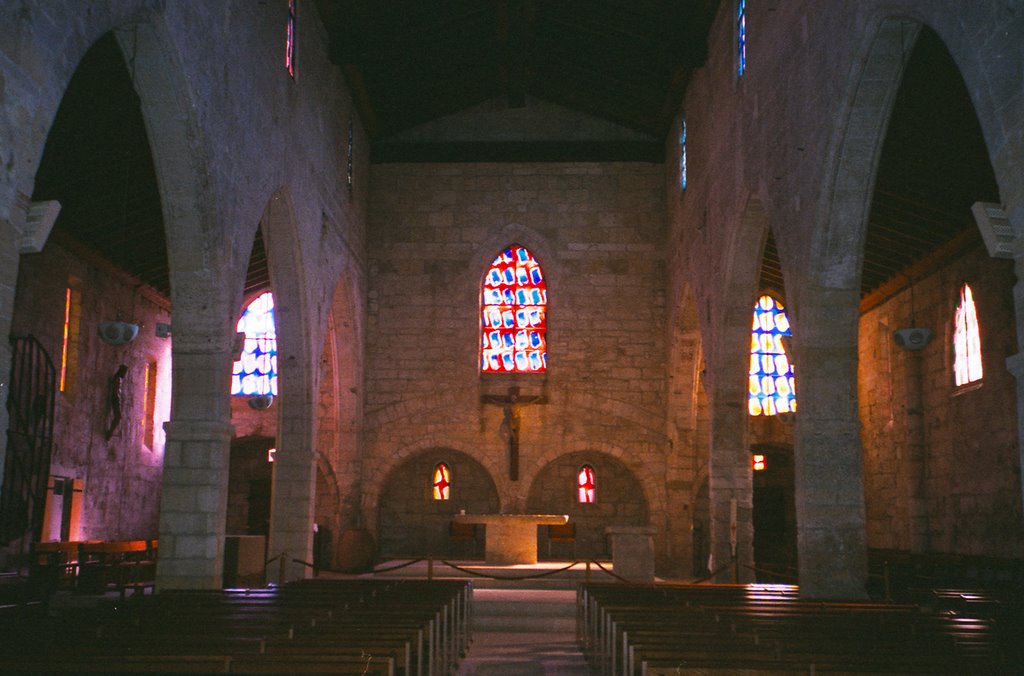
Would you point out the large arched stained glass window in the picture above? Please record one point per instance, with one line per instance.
(514, 314)
(256, 372)
(585, 484)
(771, 374)
(966, 340)
(442, 481)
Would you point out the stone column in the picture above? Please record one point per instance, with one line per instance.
(913, 463)
(193, 505)
(292, 511)
(731, 492)
(829, 476)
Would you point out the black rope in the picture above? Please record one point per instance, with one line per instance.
(503, 577)
(617, 577)
(716, 573)
(398, 567)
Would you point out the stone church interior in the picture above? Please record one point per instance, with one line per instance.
(297, 288)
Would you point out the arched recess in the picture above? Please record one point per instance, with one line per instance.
(411, 522)
(292, 506)
(620, 499)
(830, 514)
(923, 441)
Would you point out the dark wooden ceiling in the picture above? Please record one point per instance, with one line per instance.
(625, 61)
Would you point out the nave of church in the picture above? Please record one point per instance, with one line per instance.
(307, 285)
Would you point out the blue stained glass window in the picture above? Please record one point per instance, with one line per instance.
(682, 154)
(256, 371)
(741, 37)
(514, 314)
(772, 385)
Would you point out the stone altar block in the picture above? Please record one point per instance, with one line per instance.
(511, 538)
(632, 552)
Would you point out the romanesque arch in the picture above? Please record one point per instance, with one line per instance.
(411, 522)
(619, 501)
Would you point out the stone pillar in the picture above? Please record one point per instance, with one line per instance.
(291, 512)
(193, 505)
(1015, 365)
(913, 463)
(731, 492)
(632, 552)
(829, 476)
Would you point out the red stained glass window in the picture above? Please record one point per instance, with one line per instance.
(514, 314)
(585, 484)
(772, 385)
(967, 366)
(289, 46)
(442, 481)
(256, 372)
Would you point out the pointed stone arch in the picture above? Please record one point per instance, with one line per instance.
(830, 515)
(292, 509)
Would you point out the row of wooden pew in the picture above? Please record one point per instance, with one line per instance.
(402, 627)
(93, 566)
(633, 629)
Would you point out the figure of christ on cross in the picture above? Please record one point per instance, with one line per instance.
(511, 404)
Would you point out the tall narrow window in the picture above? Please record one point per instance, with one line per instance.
(514, 314)
(69, 342)
(585, 484)
(348, 169)
(741, 37)
(256, 372)
(966, 340)
(149, 403)
(682, 154)
(772, 387)
(289, 46)
(442, 481)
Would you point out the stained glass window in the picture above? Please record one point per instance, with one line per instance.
(682, 154)
(966, 340)
(289, 47)
(741, 37)
(514, 314)
(348, 168)
(585, 484)
(442, 481)
(771, 373)
(256, 371)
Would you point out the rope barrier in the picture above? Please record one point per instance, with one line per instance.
(617, 577)
(715, 573)
(398, 567)
(504, 577)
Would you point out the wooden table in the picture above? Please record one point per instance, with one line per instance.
(511, 538)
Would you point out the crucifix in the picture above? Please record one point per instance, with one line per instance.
(511, 404)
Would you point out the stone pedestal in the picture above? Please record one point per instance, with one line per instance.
(632, 552)
(511, 538)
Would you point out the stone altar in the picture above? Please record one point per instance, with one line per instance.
(511, 538)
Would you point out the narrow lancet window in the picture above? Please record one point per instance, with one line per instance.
(741, 37)
(256, 372)
(585, 484)
(682, 154)
(289, 47)
(966, 340)
(772, 386)
(514, 314)
(442, 481)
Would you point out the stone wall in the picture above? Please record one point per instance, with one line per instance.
(962, 494)
(121, 475)
(596, 230)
